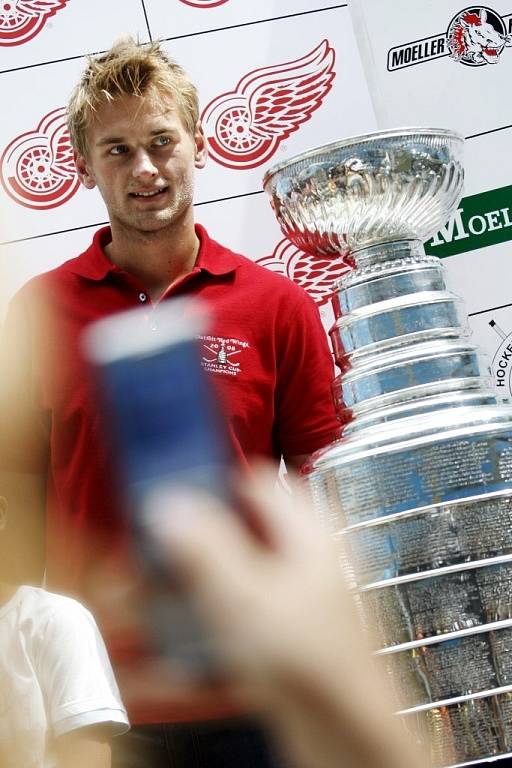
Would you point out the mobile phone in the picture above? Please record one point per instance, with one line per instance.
(165, 430)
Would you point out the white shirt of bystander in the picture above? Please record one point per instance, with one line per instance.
(55, 676)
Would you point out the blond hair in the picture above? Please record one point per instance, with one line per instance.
(129, 69)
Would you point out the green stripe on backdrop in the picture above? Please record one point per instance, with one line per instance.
(481, 220)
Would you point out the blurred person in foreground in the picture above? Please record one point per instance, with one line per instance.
(59, 702)
(283, 624)
(135, 129)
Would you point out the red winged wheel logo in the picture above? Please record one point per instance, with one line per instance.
(21, 20)
(244, 127)
(37, 168)
(316, 274)
(204, 3)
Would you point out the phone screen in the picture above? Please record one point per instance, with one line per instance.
(166, 422)
(166, 431)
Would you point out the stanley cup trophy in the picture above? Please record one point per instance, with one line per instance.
(419, 486)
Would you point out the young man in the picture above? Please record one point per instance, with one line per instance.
(59, 702)
(134, 123)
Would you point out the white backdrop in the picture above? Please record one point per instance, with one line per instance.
(375, 63)
(227, 48)
(401, 43)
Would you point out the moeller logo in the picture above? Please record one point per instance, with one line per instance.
(204, 3)
(22, 20)
(475, 36)
(316, 274)
(245, 126)
(37, 168)
(480, 221)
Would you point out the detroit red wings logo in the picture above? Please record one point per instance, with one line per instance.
(245, 126)
(204, 3)
(316, 274)
(21, 20)
(37, 168)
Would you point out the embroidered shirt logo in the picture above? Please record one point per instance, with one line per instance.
(316, 274)
(37, 168)
(22, 20)
(244, 127)
(222, 355)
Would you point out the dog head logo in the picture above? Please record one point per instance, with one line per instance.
(37, 168)
(204, 3)
(316, 274)
(21, 20)
(477, 36)
(245, 126)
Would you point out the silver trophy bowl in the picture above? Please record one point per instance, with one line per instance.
(395, 185)
(418, 489)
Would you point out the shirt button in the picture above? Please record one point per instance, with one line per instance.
(142, 297)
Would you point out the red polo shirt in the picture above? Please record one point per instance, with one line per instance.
(266, 352)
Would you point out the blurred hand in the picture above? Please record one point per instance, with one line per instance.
(284, 623)
(256, 591)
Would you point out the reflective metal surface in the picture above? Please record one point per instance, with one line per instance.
(410, 372)
(458, 664)
(410, 609)
(418, 489)
(393, 185)
(465, 732)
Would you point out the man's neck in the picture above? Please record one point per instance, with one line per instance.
(157, 259)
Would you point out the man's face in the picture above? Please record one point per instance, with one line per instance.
(142, 159)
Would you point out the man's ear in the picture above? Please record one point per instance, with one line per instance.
(3, 512)
(201, 151)
(83, 171)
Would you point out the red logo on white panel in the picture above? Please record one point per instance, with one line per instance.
(316, 274)
(21, 20)
(477, 36)
(37, 168)
(204, 3)
(244, 127)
